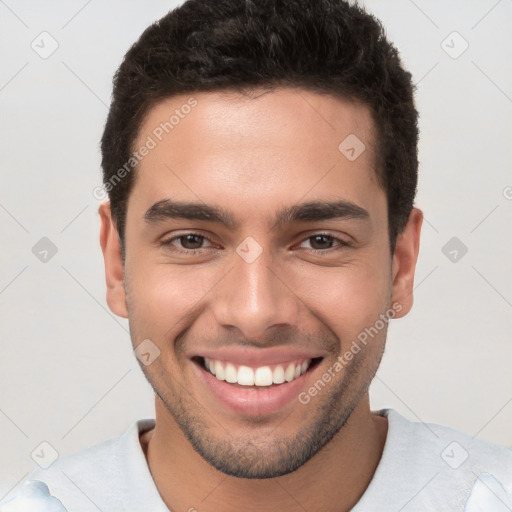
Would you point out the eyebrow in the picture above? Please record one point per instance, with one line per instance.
(168, 209)
(320, 210)
(304, 212)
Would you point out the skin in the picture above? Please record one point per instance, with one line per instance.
(252, 155)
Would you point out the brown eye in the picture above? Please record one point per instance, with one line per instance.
(321, 241)
(191, 241)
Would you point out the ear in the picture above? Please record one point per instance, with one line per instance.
(404, 262)
(114, 270)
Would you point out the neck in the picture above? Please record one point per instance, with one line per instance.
(334, 479)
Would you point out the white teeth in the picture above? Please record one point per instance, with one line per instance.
(245, 376)
(289, 373)
(262, 376)
(219, 371)
(231, 373)
(278, 376)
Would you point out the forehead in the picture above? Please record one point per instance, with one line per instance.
(257, 149)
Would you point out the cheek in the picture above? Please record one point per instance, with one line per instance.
(347, 299)
(162, 297)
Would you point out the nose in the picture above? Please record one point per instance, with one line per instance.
(255, 297)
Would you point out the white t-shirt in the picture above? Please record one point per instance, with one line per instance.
(424, 467)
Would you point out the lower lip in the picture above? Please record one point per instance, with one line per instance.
(251, 400)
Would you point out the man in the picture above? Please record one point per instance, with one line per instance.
(261, 164)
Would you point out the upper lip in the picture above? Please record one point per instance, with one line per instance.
(258, 357)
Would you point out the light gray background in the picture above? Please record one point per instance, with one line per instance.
(67, 372)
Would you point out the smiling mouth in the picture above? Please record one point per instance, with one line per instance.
(261, 377)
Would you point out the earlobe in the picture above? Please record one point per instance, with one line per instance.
(404, 262)
(114, 269)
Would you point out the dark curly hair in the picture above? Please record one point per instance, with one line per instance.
(326, 46)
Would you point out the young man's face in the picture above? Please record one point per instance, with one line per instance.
(268, 289)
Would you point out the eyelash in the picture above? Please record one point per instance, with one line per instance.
(168, 243)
